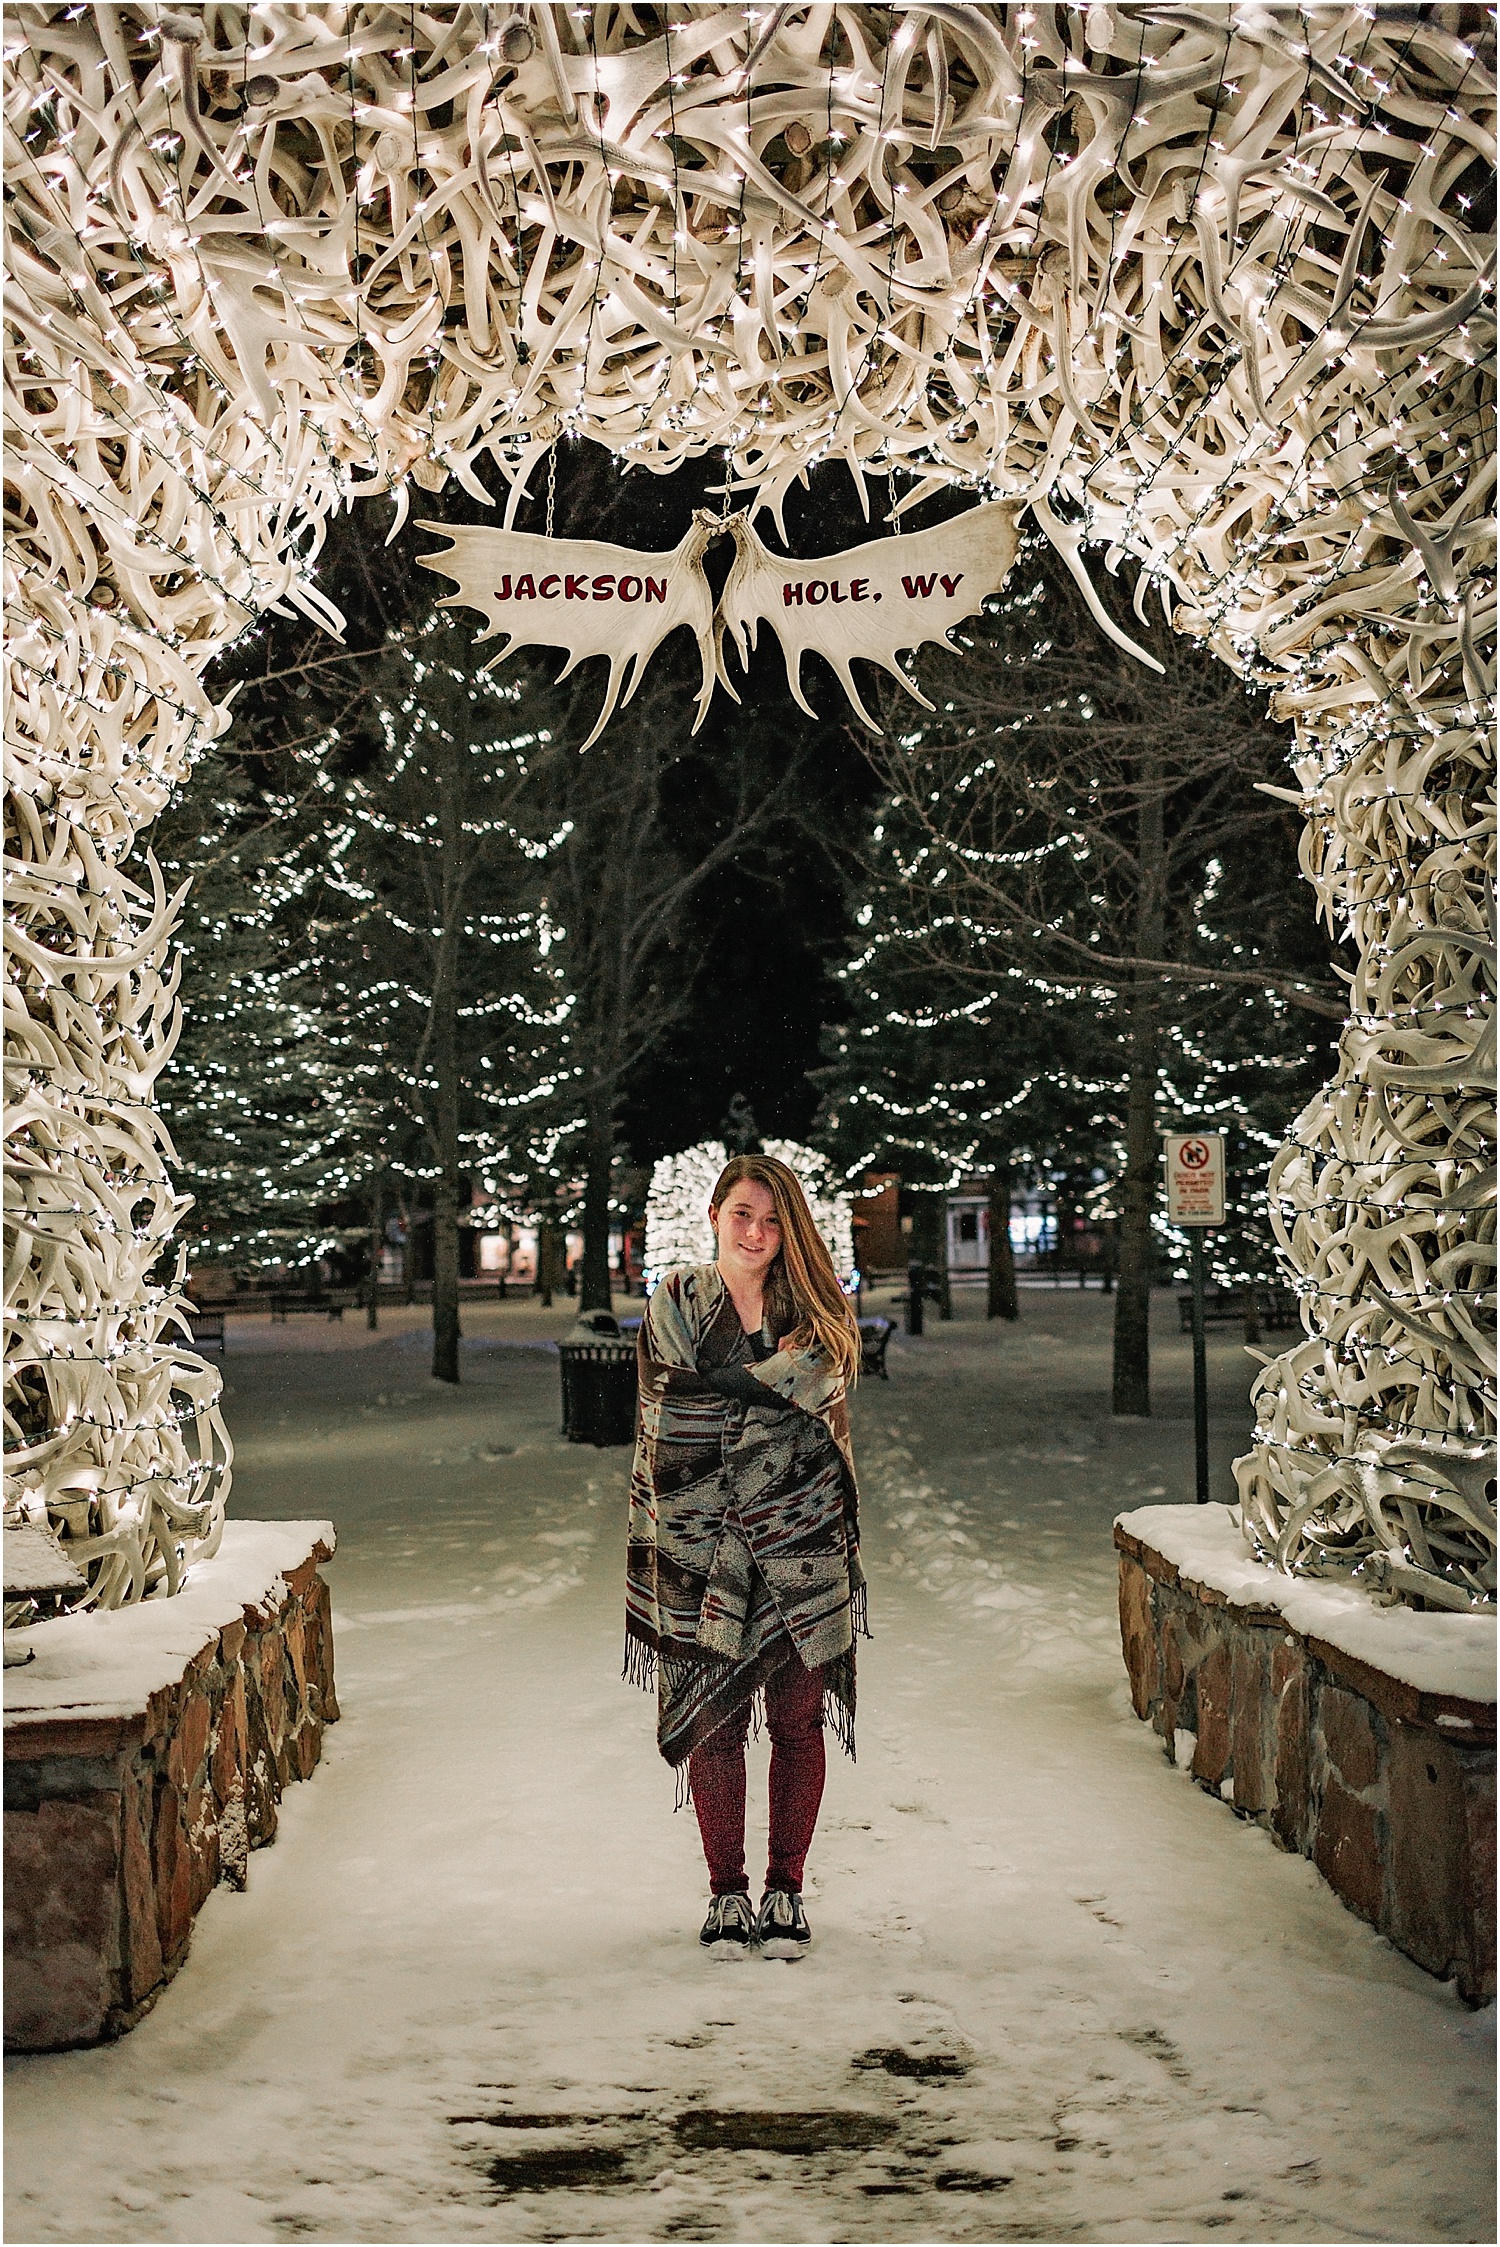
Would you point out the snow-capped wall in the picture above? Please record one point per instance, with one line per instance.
(146, 1750)
(1363, 1737)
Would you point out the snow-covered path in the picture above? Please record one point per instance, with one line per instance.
(1056, 1993)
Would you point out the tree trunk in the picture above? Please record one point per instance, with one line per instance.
(408, 1252)
(444, 1279)
(443, 1064)
(377, 1236)
(546, 1260)
(1138, 1192)
(599, 1148)
(1067, 1229)
(446, 1186)
(1004, 1298)
(929, 1241)
(1142, 1180)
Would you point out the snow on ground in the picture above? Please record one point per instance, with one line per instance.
(1056, 1992)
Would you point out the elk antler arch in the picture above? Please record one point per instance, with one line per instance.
(1206, 285)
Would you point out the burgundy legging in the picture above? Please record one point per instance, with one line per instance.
(794, 1719)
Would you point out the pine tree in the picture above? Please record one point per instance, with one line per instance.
(931, 1077)
(246, 1096)
(1068, 825)
(439, 1005)
(370, 1000)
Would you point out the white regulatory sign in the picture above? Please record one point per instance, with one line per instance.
(1195, 1177)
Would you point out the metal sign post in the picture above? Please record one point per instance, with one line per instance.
(1195, 1200)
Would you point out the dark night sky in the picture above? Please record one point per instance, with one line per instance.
(763, 992)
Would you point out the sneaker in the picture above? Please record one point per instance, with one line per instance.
(781, 1926)
(729, 1929)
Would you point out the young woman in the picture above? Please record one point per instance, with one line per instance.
(743, 1575)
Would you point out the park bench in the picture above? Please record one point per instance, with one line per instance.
(206, 1328)
(333, 1301)
(1274, 1307)
(874, 1340)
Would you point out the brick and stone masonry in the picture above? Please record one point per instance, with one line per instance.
(146, 1751)
(1386, 1784)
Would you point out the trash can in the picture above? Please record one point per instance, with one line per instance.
(598, 1391)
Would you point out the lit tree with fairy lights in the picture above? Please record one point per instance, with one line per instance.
(249, 1096)
(381, 1011)
(1076, 887)
(442, 1004)
(929, 1078)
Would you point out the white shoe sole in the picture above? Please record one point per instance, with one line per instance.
(727, 1953)
(783, 1947)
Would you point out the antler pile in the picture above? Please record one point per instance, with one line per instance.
(1199, 283)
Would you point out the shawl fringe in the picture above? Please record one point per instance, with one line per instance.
(838, 1718)
(640, 1664)
(838, 1701)
(645, 1665)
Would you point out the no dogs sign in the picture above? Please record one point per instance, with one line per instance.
(1195, 1177)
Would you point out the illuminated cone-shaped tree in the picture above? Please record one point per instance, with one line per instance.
(934, 1076)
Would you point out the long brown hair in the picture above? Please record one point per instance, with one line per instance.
(802, 1295)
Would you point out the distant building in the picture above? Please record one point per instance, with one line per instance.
(879, 1245)
(968, 1231)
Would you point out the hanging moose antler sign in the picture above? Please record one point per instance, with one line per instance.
(890, 594)
(579, 594)
(593, 599)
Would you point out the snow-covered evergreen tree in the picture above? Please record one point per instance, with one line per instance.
(252, 1094)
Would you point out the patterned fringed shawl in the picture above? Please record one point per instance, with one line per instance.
(744, 1523)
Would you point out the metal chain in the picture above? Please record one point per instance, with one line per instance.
(551, 484)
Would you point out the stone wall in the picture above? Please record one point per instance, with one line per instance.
(131, 1790)
(1389, 1790)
